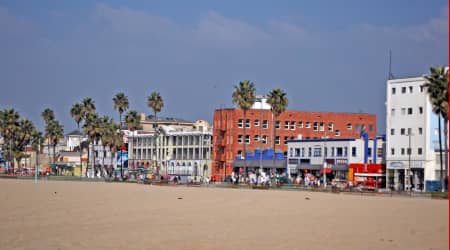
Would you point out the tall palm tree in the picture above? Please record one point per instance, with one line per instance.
(48, 115)
(23, 137)
(437, 89)
(244, 96)
(54, 132)
(88, 109)
(112, 138)
(36, 143)
(91, 128)
(105, 134)
(133, 123)
(156, 103)
(76, 113)
(121, 105)
(9, 121)
(278, 103)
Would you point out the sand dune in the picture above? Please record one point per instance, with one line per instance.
(74, 215)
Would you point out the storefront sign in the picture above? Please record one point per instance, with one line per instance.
(396, 165)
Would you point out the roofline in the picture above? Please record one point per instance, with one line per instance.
(305, 111)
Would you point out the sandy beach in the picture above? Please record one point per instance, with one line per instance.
(84, 215)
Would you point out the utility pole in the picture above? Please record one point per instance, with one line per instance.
(37, 161)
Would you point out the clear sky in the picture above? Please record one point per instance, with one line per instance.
(327, 55)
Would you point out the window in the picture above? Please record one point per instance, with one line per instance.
(277, 124)
(264, 139)
(354, 151)
(392, 112)
(345, 151)
(247, 139)
(316, 126)
(408, 151)
(309, 152)
(317, 152)
(338, 132)
(403, 90)
(419, 151)
(330, 127)
(420, 110)
(393, 91)
(292, 125)
(291, 152)
(277, 140)
(420, 131)
(421, 88)
(402, 151)
(410, 89)
(256, 138)
(370, 127)
(339, 152)
(247, 123)
(240, 123)
(332, 151)
(403, 111)
(308, 125)
(349, 126)
(322, 126)
(286, 138)
(300, 124)
(265, 124)
(256, 123)
(240, 139)
(325, 151)
(392, 131)
(409, 131)
(402, 131)
(303, 152)
(369, 152)
(410, 111)
(392, 151)
(286, 125)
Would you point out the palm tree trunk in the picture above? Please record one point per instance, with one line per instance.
(54, 153)
(88, 158)
(446, 152)
(440, 154)
(245, 138)
(273, 141)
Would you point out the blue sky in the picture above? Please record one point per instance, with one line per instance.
(327, 55)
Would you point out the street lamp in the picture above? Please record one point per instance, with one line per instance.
(408, 176)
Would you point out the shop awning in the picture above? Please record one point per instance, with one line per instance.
(257, 163)
(369, 174)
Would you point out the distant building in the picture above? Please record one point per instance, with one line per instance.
(228, 128)
(412, 135)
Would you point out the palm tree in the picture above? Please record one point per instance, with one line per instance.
(244, 96)
(91, 128)
(437, 89)
(87, 109)
(120, 104)
(23, 137)
(278, 103)
(9, 121)
(76, 113)
(54, 132)
(156, 103)
(36, 144)
(105, 134)
(48, 115)
(133, 123)
(110, 139)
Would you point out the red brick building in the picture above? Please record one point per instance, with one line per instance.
(228, 131)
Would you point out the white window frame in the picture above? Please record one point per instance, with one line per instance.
(247, 139)
(239, 139)
(277, 140)
(286, 125)
(256, 123)
(277, 124)
(330, 127)
(240, 123)
(247, 123)
(321, 126)
(316, 126)
(265, 124)
(308, 125)
(337, 132)
(293, 125)
(300, 124)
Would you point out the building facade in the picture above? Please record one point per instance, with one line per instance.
(182, 150)
(228, 128)
(412, 135)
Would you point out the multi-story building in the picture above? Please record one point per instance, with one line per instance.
(228, 129)
(412, 135)
(335, 155)
(176, 148)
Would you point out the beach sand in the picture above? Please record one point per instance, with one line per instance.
(87, 215)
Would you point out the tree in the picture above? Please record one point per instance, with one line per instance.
(54, 131)
(23, 137)
(48, 115)
(113, 139)
(9, 121)
(88, 109)
(76, 113)
(156, 103)
(437, 89)
(121, 105)
(244, 96)
(37, 141)
(133, 123)
(92, 129)
(278, 103)
(105, 133)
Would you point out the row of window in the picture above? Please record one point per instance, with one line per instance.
(403, 131)
(292, 125)
(407, 151)
(406, 111)
(404, 90)
(334, 151)
(263, 138)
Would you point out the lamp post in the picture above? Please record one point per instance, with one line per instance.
(408, 176)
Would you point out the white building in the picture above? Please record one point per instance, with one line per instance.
(410, 123)
(178, 150)
(337, 154)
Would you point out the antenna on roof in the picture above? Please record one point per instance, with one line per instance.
(390, 76)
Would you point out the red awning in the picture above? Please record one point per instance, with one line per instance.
(328, 170)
